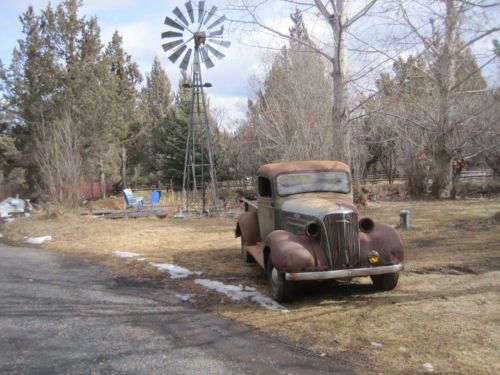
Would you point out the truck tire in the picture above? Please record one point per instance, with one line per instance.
(281, 288)
(248, 258)
(387, 281)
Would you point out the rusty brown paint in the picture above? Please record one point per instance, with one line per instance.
(386, 241)
(248, 225)
(293, 253)
(284, 219)
(275, 169)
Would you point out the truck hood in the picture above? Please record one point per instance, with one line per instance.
(318, 204)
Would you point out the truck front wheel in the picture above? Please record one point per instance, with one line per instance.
(281, 288)
(387, 281)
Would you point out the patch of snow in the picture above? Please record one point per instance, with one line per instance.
(239, 293)
(428, 367)
(141, 259)
(184, 297)
(8, 219)
(179, 215)
(1, 235)
(176, 272)
(11, 206)
(376, 344)
(402, 349)
(126, 254)
(37, 240)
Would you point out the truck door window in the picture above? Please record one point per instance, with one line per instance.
(264, 187)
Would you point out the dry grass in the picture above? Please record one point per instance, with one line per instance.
(444, 311)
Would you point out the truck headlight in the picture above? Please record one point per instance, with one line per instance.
(312, 229)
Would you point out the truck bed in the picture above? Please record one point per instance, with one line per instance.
(250, 205)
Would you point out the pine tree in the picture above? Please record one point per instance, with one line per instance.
(64, 88)
(170, 137)
(154, 108)
(122, 89)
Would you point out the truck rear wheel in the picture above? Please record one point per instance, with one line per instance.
(387, 281)
(281, 288)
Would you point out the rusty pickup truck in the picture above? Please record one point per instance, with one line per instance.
(305, 226)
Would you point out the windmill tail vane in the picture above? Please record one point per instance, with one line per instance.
(196, 37)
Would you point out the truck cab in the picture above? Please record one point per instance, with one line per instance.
(305, 226)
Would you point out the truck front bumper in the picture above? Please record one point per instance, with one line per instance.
(343, 274)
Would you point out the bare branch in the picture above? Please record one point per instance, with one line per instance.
(360, 14)
(427, 43)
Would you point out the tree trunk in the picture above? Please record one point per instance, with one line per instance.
(342, 133)
(442, 176)
(443, 172)
(458, 166)
(102, 178)
(124, 167)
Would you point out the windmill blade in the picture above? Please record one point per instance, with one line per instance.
(169, 46)
(223, 43)
(210, 14)
(218, 22)
(171, 34)
(170, 22)
(180, 16)
(215, 52)
(189, 8)
(175, 56)
(185, 60)
(217, 33)
(206, 59)
(201, 10)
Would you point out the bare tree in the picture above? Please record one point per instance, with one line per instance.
(334, 13)
(449, 123)
(57, 153)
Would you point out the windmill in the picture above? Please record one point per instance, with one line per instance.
(194, 39)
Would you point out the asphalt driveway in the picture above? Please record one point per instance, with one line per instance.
(60, 314)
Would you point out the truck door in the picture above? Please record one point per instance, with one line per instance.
(265, 203)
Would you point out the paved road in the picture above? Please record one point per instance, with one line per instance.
(60, 314)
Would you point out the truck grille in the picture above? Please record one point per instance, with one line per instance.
(342, 232)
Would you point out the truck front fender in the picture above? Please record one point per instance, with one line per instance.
(386, 241)
(294, 253)
(248, 228)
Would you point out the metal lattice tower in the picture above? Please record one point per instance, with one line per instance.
(194, 37)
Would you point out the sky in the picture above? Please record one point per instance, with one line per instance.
(141, 23)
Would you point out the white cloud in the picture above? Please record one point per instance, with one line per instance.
(140, 39)
(230, 108)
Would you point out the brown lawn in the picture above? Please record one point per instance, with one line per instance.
(445, 310)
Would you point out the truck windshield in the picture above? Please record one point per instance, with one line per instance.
(303, 182)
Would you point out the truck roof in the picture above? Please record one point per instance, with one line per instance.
(275, 169)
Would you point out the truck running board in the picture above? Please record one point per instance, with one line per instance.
(341, 274)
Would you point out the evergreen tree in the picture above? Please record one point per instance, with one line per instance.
(154, 108)
(120, 116)
(169, 138)
(64, 89)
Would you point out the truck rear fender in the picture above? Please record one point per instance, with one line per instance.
(248, 228)
(294, 253)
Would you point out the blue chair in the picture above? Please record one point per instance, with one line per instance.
(131, 200)
(155, 198)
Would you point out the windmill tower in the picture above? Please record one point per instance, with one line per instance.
(194, 37)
